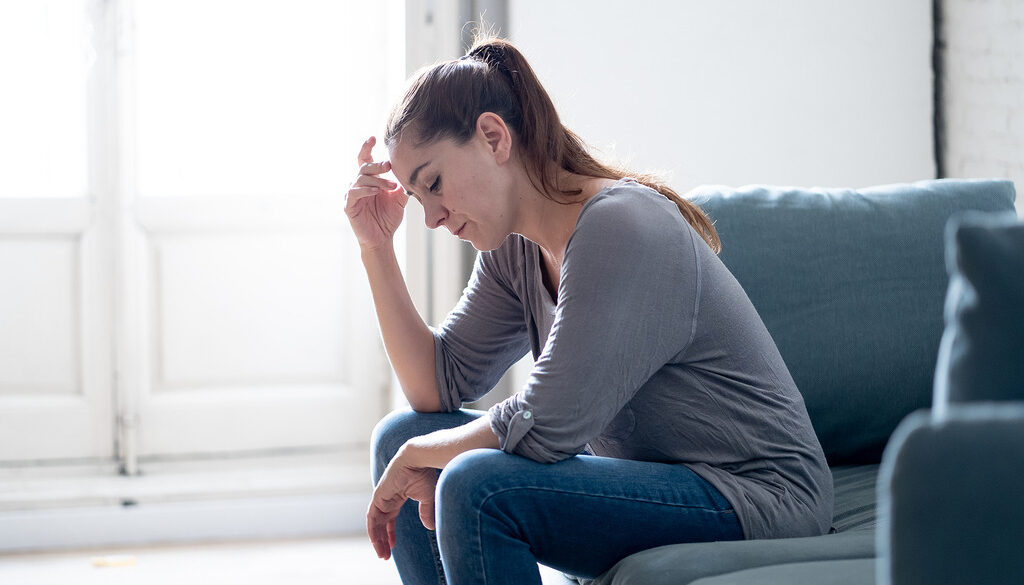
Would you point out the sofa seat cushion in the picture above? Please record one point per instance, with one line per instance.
(852, 572)
(856, 497)
(679, 564)
(682, 564)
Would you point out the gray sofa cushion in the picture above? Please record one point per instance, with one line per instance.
(684, 564)
(855, 572)
(851, 284)
(982, 352)
(950, 497)
(855, 497)
(680, 564)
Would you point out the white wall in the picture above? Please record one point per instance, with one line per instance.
(801, 92)
(797, 92)
(983, 89)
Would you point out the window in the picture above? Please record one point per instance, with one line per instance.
(180, 281)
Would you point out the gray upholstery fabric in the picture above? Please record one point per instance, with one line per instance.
(855, 572)
(982, 352)
(683, 564)
(856, 496)
(950, 502)
(854, 518)
(851, 285)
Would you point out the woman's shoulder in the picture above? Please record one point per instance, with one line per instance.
(629, 209)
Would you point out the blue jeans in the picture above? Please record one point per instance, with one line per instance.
(498, 515)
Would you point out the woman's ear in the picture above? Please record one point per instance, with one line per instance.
(495, 134)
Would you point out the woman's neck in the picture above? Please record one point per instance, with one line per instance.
(550, 224)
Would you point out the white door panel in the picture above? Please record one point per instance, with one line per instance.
(249, 325)
(253, 326)
(55, 332)
(56, 374)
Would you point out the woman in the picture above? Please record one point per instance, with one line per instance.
(658, 410)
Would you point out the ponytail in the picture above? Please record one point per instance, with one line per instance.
(444, 101)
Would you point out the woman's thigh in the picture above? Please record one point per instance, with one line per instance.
(580, 515)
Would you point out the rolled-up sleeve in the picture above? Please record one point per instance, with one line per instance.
(627, 304)
(480, 338)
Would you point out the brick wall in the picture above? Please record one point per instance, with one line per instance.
(982, 89)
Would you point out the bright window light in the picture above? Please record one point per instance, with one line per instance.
(254, 97)
(45, 58)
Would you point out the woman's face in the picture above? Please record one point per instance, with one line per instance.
(466, 189)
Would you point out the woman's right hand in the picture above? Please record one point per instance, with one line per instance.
(375, 206)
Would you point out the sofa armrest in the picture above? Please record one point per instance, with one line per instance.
(951, 497)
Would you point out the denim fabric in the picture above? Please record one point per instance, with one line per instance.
(499, 514)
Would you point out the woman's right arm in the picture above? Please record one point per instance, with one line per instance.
(408, 341)
(375, 208)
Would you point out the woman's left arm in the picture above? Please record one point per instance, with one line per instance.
(412, 474)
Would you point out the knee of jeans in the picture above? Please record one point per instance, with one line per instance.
(389, 435)
(464, 482)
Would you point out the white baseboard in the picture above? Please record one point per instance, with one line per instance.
(179, 522)
(290, 496)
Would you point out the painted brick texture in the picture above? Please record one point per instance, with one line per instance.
(983, 89)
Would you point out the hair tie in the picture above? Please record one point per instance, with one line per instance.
(493, 55)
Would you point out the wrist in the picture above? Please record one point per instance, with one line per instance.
(410, 453)
(387, 247)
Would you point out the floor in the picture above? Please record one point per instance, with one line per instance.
(321, 561)
(308, 561)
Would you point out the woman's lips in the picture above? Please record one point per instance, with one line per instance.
(458, 232)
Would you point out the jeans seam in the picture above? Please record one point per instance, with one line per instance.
(442, 579)
(628, 499)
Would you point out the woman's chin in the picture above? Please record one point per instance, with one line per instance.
(483, 246)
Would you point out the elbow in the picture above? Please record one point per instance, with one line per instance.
(545, 454)
(425, 400)
(425, 406)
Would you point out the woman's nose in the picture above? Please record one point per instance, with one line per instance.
(434, 216)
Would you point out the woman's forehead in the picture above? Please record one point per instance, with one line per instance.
(409, 164)
(408, 158)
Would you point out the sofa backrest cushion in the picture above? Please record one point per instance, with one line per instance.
(851, 284)
(981, 357)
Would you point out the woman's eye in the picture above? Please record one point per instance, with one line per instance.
(437, 183)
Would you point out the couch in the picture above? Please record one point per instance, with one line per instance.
(855, 287)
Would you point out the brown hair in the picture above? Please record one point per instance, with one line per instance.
(443, 101)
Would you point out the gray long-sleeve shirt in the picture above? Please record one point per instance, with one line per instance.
(652, 352)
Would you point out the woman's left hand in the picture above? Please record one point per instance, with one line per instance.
(403, 479)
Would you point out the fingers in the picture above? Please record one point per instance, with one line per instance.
(374, 168)
(370, 180)
(392, 537)
(366, 164)
(364, 151)
(380, 529)
(427, 514)
(385, 505)
(368, 170)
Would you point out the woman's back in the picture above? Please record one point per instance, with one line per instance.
(653, 352)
